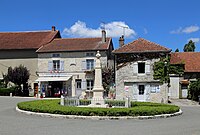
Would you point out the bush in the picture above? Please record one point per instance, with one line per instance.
(7, 91)
(194, 90)
(115, 103)
(52, 106)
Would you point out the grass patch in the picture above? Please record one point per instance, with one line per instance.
(138, 109)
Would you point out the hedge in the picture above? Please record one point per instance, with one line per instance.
(53, 107)
(7, 91)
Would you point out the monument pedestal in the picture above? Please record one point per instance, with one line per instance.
(98, 100)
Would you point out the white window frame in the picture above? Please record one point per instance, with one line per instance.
(57, 65)
(90, 87)
(89, 61)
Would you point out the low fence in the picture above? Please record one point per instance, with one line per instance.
(74, 101)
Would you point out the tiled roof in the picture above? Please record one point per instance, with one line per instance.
(190, 59)
(26, 40)
(76, 44)
(141, 45)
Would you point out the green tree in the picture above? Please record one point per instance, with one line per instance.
(177, 50)
(163, 68)
(107, 78)
(19, 76)
(189, 47)
(194, 90)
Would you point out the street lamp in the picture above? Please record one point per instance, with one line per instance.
(166, 78)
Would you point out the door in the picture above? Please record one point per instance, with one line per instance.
(141, 93)
(78, 87)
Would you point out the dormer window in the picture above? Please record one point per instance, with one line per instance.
(90, 54)
(56, 55)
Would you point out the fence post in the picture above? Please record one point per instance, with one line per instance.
(127, 102)
(62, 100)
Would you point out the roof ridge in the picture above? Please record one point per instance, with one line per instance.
(84, 38)
(28, 31)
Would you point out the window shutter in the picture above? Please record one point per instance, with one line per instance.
(135, 68)
(50, 65)
(147, 68)
(83, 84)
(61, 65)
(94, 64)
(84, 65)
(148, 90)
(135, 91)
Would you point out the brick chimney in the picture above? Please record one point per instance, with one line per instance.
(53, 28)
(103, 36)
(121, 41)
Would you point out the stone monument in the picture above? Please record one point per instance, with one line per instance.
(98, 89)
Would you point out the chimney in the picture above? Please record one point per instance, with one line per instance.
(121, 41)
(103, 36)
(53, 28)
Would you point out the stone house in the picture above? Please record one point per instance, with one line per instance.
(191, 64)
(65, 65)
(134, 71)
(20, 48)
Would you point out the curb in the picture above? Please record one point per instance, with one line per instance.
(99, 117)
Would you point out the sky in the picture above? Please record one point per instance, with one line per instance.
(170, 23)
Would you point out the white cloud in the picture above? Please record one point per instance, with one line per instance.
(196, 40)
(186, 30)
(113, 29)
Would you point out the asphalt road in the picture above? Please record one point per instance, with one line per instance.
(15, 123)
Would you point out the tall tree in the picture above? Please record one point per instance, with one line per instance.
(177, 50)
(189, 47)
(163, 68)
(19, 76)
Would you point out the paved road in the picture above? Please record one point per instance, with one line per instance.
(15, 123)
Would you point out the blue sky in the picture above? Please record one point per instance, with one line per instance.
(170, 23)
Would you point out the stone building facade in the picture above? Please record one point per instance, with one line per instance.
(65, 66)
(134, 71)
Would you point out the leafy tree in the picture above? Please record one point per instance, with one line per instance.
(163, 68)
(194, 90)
(189, 47)
(107, 78)
(5, 80)
(19, 76)
(177, 50)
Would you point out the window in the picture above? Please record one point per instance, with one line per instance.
(55, 55)
(89, 64)
(90, 54)
(56, 65)
(90, 84)
(141, 68)
(78, 83)
(141, 89)
(155, 89)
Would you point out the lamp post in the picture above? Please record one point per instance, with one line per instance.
(166, 79)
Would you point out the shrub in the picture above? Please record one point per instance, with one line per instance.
(115, 102)
(52, 106)
(7, 91)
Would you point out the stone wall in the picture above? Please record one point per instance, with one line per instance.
(127, 77)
